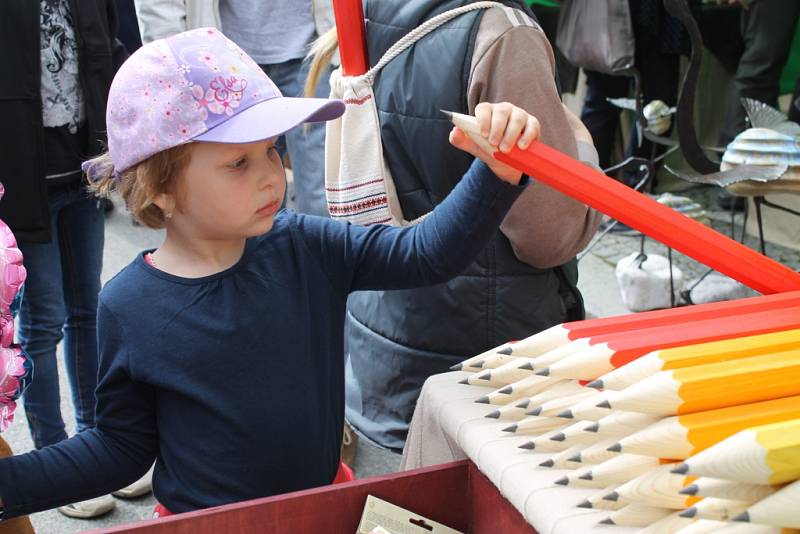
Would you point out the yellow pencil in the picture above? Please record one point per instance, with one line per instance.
(621, 423)
(768, 454)
(636, 515)
(590, 409)
(658, 487)
(699, 354)
(717, 509)
(596, 502)
(679, 437)
(729, 489)
(714, 385)
(617, 470)
(524, 388)
(781, 509)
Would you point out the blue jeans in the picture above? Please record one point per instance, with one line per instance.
(306, 146)
(60, 301)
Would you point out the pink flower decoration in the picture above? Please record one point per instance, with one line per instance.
(7, 408)
(6, 330)
(13, 372)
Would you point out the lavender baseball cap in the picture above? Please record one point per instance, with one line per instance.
(198, 86)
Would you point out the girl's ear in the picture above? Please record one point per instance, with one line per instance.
(166, 202)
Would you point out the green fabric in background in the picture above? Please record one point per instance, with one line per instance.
(548, 3)
(791, 72)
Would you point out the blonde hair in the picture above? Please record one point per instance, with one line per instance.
(140, 185)
(321, 53)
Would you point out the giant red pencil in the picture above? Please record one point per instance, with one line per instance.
(349, 16)
(660, 222)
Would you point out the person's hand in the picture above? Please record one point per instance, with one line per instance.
(579, 130)
(503, 125)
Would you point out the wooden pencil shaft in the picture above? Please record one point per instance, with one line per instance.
(536, 425)
(621, 423)
(562, 460)
(597, 502)
(703, 526)
(588, 410)
(638, 515)
(718, 509)
(554, 407)
(507, 373)
(620, 469)
(667, 525)
(599, 452)
(510, 412)
(657, 487)
(733, 490)
(524, 388)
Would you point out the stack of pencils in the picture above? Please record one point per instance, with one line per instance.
(639, 406)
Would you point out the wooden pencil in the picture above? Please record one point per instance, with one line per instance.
(729, 489)
(667, 525)
(781, 509)
(714, 385)
(623, 348)
(617, 470)
(621, 423)
(590, 409)
(697, 354)
(636, 515)
(534, 425)
(555, 406)
(562, 460)
(543, 443)
(714, 508)
(658, 487)
(595, 501)
(557, 390)
(679, 437)
(620, 202)
(518, 390)
(502, 375)
(767, 454)
(513, 411)
(703, 526)
(597, 453)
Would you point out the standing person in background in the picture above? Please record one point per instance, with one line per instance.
(65, 56)
(277, 35)
(524, 281)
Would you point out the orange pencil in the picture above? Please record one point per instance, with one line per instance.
(621, 349)
(698, 354)
(682, 436)
(715, 385)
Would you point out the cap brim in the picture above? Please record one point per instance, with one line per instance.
(272, 118)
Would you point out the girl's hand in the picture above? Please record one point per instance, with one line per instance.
(503, 125)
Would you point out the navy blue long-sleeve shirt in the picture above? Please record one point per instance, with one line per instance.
(234, 381)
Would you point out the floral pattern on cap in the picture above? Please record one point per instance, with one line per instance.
(172, 90)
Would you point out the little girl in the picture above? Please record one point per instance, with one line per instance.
(221, 351)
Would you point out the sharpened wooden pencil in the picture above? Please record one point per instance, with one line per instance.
(658, 487)
(714, 385)
(781, 509)
(679, 437)
(621, 423)
(613, 198)
(768, 454)
(667, 525)
(534, 425)
(513, 411)
(597, 453)
(503, 375)
(623, 348)
(556, 391)
(617, 470)
(698, 354)
(527, 387)
(729, 489)
(590, 409)
(636, 515)
(717, 509)
(595, 501)
(555, 406)
(562, 460)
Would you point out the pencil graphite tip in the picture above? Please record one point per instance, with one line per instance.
(682, 469)
(535, 411)
(604, 404)
(526, 366)
(485, 376)
(607, 521)
(523, 404)
(508, 351)
(691, 489)
(576, 458)
(457, 367)
(493, 415)
(613, 496)
(479, 364)
(558, 437)
(689, 512)
(586, 476)
(744, 517)
(563, 481)
(483, 400)
(512, 428)
(566, 414)
(584, 504)
(529, 446)
(544, 372)
(594, 427)
(448, 114)
(596, 384)
(615, 448)
(547, 463)
(508, 390)
(465, 381)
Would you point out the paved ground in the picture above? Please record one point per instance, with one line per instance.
(123, 241)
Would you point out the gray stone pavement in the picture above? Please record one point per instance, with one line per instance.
(124, 241)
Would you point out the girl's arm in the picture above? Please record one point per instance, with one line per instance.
(115, 453)
(447, 241)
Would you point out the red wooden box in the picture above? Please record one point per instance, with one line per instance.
(455, 494)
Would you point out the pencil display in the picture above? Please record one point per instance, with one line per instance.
(781, 509)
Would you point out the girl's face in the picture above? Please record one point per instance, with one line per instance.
(230, 191)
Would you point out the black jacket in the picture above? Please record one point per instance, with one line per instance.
(22, 154)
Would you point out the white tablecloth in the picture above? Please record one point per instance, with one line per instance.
(448, 425)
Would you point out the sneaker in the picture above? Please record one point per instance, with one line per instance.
(88, 509)
(143, 486)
